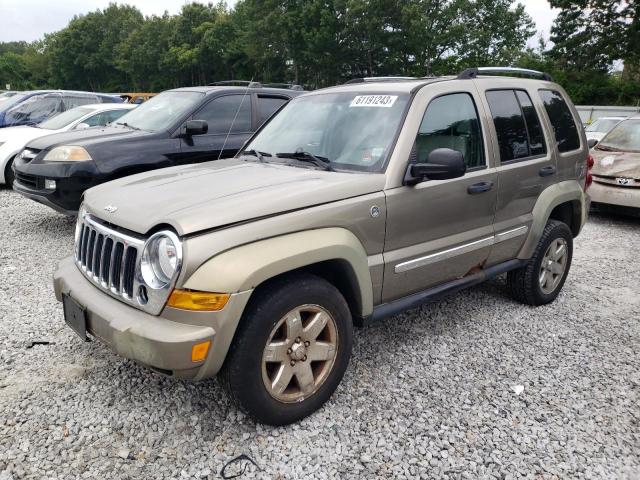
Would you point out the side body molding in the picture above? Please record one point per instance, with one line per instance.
(551, 197)
(245, 267)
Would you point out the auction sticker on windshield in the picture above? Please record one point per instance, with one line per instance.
(386, 101)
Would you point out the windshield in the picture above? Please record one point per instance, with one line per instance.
(625, 137)
(603, 125)
(162, 111)
(352, 131)
(11, 101)
(64, 119)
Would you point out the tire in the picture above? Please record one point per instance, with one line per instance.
(526, 283)
(286, 314)
(9, 176)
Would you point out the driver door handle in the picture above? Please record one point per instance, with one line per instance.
(479, 187)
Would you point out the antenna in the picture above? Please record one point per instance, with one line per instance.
(224, 144)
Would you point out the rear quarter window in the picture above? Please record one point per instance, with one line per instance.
(562, 121)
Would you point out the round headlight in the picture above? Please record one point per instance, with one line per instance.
(160, 259)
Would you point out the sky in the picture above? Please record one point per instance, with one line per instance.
(30, 19)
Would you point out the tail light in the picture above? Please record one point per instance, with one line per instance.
(588, 179)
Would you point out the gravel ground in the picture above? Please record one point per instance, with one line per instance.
(475, 386)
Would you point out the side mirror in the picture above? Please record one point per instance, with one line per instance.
(82, 126)
(196, 127)
(442, 164)
(592, 142)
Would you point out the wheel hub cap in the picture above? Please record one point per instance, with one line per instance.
(553, 265)
(300, 353)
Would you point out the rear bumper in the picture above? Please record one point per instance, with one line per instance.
(614, 195)
(162, 342)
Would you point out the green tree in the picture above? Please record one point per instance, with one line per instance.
(83, 55)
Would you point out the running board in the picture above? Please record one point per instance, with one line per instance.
(434, 294)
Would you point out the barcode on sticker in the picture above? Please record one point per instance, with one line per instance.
(374, 101)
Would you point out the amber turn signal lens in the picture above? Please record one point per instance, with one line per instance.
(199, 301)
(199, 351)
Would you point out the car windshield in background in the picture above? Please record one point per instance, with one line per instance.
(352, 131)
(11, 101)
(64, 119)
(160, 112)
(624, 137)
(602, 125)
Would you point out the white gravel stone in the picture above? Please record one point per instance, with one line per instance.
(427, 394)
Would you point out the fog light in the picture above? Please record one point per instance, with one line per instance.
(199, 351)
(49, 184)
(195, 300)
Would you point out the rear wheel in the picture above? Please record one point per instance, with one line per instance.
(539, 282)
(9, 176)
(291, 349)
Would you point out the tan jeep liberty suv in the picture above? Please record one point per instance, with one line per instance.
(352, 204)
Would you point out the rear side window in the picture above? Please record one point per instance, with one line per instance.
(517, 125)
(73, 101)
(564, 126)
(451, 121)
(267, 106)
(534, 129)
(231, 113)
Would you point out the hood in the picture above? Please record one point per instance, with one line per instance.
(87, 137)
(22, 134)
(596, 135)
(616, 164)
(193, 198)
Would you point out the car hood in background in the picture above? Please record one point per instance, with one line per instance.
(193, 198)
(595, 135)
(616, 164)
(87, 137)
(23, 134)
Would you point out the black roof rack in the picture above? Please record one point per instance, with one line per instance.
(379, 79)
(252, 84)
(470, 73)
(290, 86)
(239, 83)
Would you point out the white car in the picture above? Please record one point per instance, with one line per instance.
(598, 129)
(14, 139)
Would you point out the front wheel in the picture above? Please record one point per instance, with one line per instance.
(539, 282)
(291, 349)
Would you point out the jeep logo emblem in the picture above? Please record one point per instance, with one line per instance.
(111, 209)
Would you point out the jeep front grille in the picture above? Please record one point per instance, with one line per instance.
(108, 258)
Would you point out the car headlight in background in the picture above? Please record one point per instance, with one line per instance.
(67, 153)
(161, 259)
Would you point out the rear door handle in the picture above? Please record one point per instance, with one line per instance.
(479, 187)
(547, 171)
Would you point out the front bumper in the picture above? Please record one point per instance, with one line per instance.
(614, 195)
(71, 182)
(162, 342)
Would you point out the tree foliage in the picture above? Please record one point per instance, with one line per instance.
(319, 43)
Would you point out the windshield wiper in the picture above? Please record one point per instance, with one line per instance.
(127, 125)
(256, 153)
(322, 162)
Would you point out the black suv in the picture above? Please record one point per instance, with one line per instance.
(176, 127)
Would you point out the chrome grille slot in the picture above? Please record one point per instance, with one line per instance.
(110, 260)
